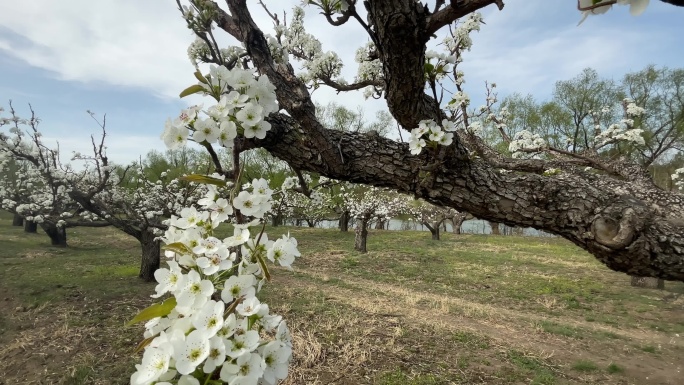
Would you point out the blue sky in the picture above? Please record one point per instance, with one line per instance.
(127, 59)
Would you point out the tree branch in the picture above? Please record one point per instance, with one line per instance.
(456, 10)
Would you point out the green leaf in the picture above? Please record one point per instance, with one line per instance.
(177, 247)
(428, 68)
(154, 311)
(193, 89)
(201, 78)
(203, 179)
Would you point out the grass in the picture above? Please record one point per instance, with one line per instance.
(464, 310)
(614, 368)
(585, 366)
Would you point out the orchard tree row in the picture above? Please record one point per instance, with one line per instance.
(41, 189)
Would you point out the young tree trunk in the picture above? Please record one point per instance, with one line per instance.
(361, 234)
(457, 222)
(17, 220)
(495, 228)
(58, 236)
(648, 282)
(434, 229)
(344, 221)
(151, 249)
(30, 227)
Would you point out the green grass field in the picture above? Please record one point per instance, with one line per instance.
(468, 309)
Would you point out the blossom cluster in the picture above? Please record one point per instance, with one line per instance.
(318, 64)
(624, 129)
(243, 103)
(234, 338)
(461, 40)
(214, 327)
(438, 65)
(370, 69)
(428, 131)
(524, 141)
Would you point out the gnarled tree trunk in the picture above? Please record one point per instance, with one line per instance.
(57, 234)
(30, 227)
(17, 220)
(629, 225)
(150, 260)
(361, 233)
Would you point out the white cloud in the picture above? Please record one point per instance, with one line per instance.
(137, 43)
(142, 44)
(119, 42)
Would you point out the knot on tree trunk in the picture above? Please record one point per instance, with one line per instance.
(616, 233)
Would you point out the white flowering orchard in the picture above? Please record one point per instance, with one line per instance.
(40, 189)
(433, 216)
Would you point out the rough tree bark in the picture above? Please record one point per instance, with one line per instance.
(57, 234)
(361, 233)
(632, 227)
(150, 260)
(17, 220)
(30, 227)
(344, 221)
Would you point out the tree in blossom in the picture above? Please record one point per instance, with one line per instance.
(444, 161)
(57, 196)
(367, 204)
(141, 208)
(42, 191)
(433, 217)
